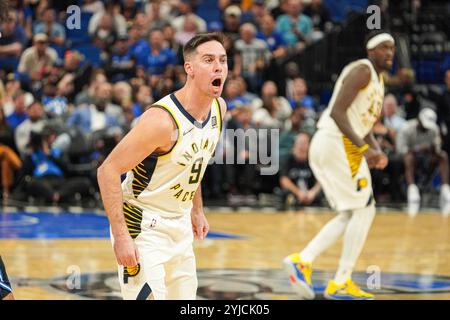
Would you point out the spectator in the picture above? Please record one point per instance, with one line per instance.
(121, 65)
(280, 9)
(240, 176)
(54, 101)
(9, 161)
(269, 89)
(143, 98)
(36, 61)
(419, 142)
(120, 24)
(12, 87)
(12, 42)
(232, 22)
(129, 9)
(43, 173)
(295, 26)
(320, 18)
(443, 112)
(105, 34)
(138, 46)
(271, 36)
(35, 123)
(19, 115)
(159, 13)
(255, 13)
(269, 116)
(188, 32)
(55, 31)
(296, 123)
(100, 117)
(185, 10)
(252, 56)
(300, 96)
(391, 118)
(386, 182)
(159, 61)
(92, 6)
(87, 95)
(297, 178)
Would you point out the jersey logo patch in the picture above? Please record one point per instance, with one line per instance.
(214, 121)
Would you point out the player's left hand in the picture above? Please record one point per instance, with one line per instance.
(382, 162)
(200, 225)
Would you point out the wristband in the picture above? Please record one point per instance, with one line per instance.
(363, 148)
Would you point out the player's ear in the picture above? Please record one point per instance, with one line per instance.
(188, 67)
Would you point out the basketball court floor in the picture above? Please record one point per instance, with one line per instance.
(54, 254)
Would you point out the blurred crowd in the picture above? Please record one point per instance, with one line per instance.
(67, 97)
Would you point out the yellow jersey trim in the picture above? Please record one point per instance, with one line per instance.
(176, 123)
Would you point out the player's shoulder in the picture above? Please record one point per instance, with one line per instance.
(359, 72)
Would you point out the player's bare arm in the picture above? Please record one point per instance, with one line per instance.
(383, 160)
(200, 224)
(152, 133)
(355, 81)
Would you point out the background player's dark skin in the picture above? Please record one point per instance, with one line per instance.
(381, 58)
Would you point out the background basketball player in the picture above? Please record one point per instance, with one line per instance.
(158, 210)
(341, 153)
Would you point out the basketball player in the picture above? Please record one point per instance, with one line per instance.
(158, 210)
(341, 153)
(5, 286)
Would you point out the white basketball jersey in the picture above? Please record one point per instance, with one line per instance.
(365, 108)
(166, 184)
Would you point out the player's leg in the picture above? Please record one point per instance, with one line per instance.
(354, 238)
(413, 192)
(5, 286)
(181, 277)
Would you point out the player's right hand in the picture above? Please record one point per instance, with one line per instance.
(126, 251)
(372, 157)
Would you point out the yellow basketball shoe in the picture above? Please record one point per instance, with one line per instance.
(299, 274)
(346, 291)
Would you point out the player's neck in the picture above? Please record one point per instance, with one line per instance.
(377, 70)
(194, 101)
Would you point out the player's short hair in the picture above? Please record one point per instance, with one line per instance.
(191, 46)
(4, 10)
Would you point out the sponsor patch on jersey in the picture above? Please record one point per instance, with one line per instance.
(214, 121)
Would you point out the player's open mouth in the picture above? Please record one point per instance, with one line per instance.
(217, 82)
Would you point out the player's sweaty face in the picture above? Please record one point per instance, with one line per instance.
(211, 67)
(384, 53)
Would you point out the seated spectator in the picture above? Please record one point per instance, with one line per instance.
(106, 33)
(120, 24)
(44, 171)
(12, 43)
(100, 117)
(269, 89)
(419, 142)
(443, 112)
(320, 18)
(271, 115)
(12, 87)
(36, 61)
(241, 173)
(386, 185)
(86, 96)
(294, 25)
(297, 178)
(121, 65)
(53, 99)
(272, 37)
(232, 22)
(54, 30)
(159, 13)
(138, 46)
(35, 123)
(92, 6)
(143, 98)
(300, 96)
(9, 161)
(129, 9)
(252, 56)
(293, 126)
(188, 32)
(159, 61)
(255, 13)
(391, 117)
(19, 115)
(185, 9)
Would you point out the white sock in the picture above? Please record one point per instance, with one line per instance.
(354, 239)
(328, 235)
